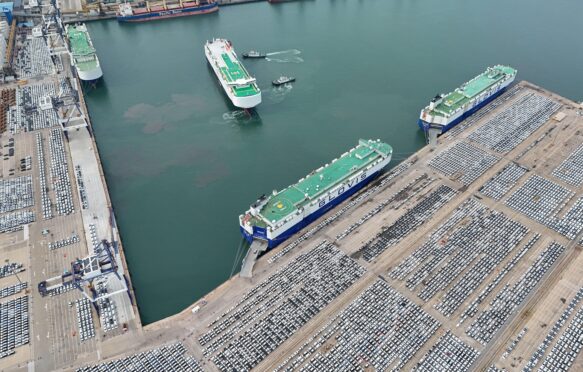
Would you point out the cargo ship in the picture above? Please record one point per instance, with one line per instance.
(240, 86)
(446, 111)
(127, 13)
(276, 217)
(83, 54)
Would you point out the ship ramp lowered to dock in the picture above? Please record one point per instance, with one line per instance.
(256, 248)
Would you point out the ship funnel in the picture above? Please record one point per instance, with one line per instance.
(274, 192)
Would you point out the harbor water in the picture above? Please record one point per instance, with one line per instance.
(182, 163)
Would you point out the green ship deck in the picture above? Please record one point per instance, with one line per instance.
(234, 71)
(456, 99)
(295, 196)
(83, 52)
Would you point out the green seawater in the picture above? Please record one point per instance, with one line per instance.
(182, 163)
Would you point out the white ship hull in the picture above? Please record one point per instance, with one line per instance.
(446, 123)
(316, 208)
(87, 73)
(241, 102)
(90, 75)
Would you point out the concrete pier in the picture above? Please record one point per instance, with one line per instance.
(375, 242)
(70, 199)
(465, 256)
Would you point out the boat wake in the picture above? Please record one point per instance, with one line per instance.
(286, 60)
(240, 117)
(235, 116)
(285, 56)
(289, 51)
(277, 94)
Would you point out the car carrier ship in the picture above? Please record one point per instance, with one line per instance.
(127, 13)
(275, 217)
(446, 111)
(83, 54)
(240, 86)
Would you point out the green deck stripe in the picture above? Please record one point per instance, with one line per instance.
(295, 196)
(81, 49)
(456, 99)
(234, 71)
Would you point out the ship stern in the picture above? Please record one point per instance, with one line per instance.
(246, 102)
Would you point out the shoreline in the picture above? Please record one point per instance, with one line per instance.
(117, 234)
(226, 300)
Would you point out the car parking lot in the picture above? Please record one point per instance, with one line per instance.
(453, 274)
(465, 256)
(52, 214)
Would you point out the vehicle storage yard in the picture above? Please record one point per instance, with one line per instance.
(466, 256)
(60, 234)
(63, 282)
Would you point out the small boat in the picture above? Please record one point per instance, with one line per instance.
(254, 54)
(283, 80)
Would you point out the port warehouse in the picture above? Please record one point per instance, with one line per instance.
(467, 255)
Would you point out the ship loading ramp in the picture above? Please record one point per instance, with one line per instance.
(255, 250)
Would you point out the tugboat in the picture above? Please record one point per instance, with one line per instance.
(254, 54)
(283, 80)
